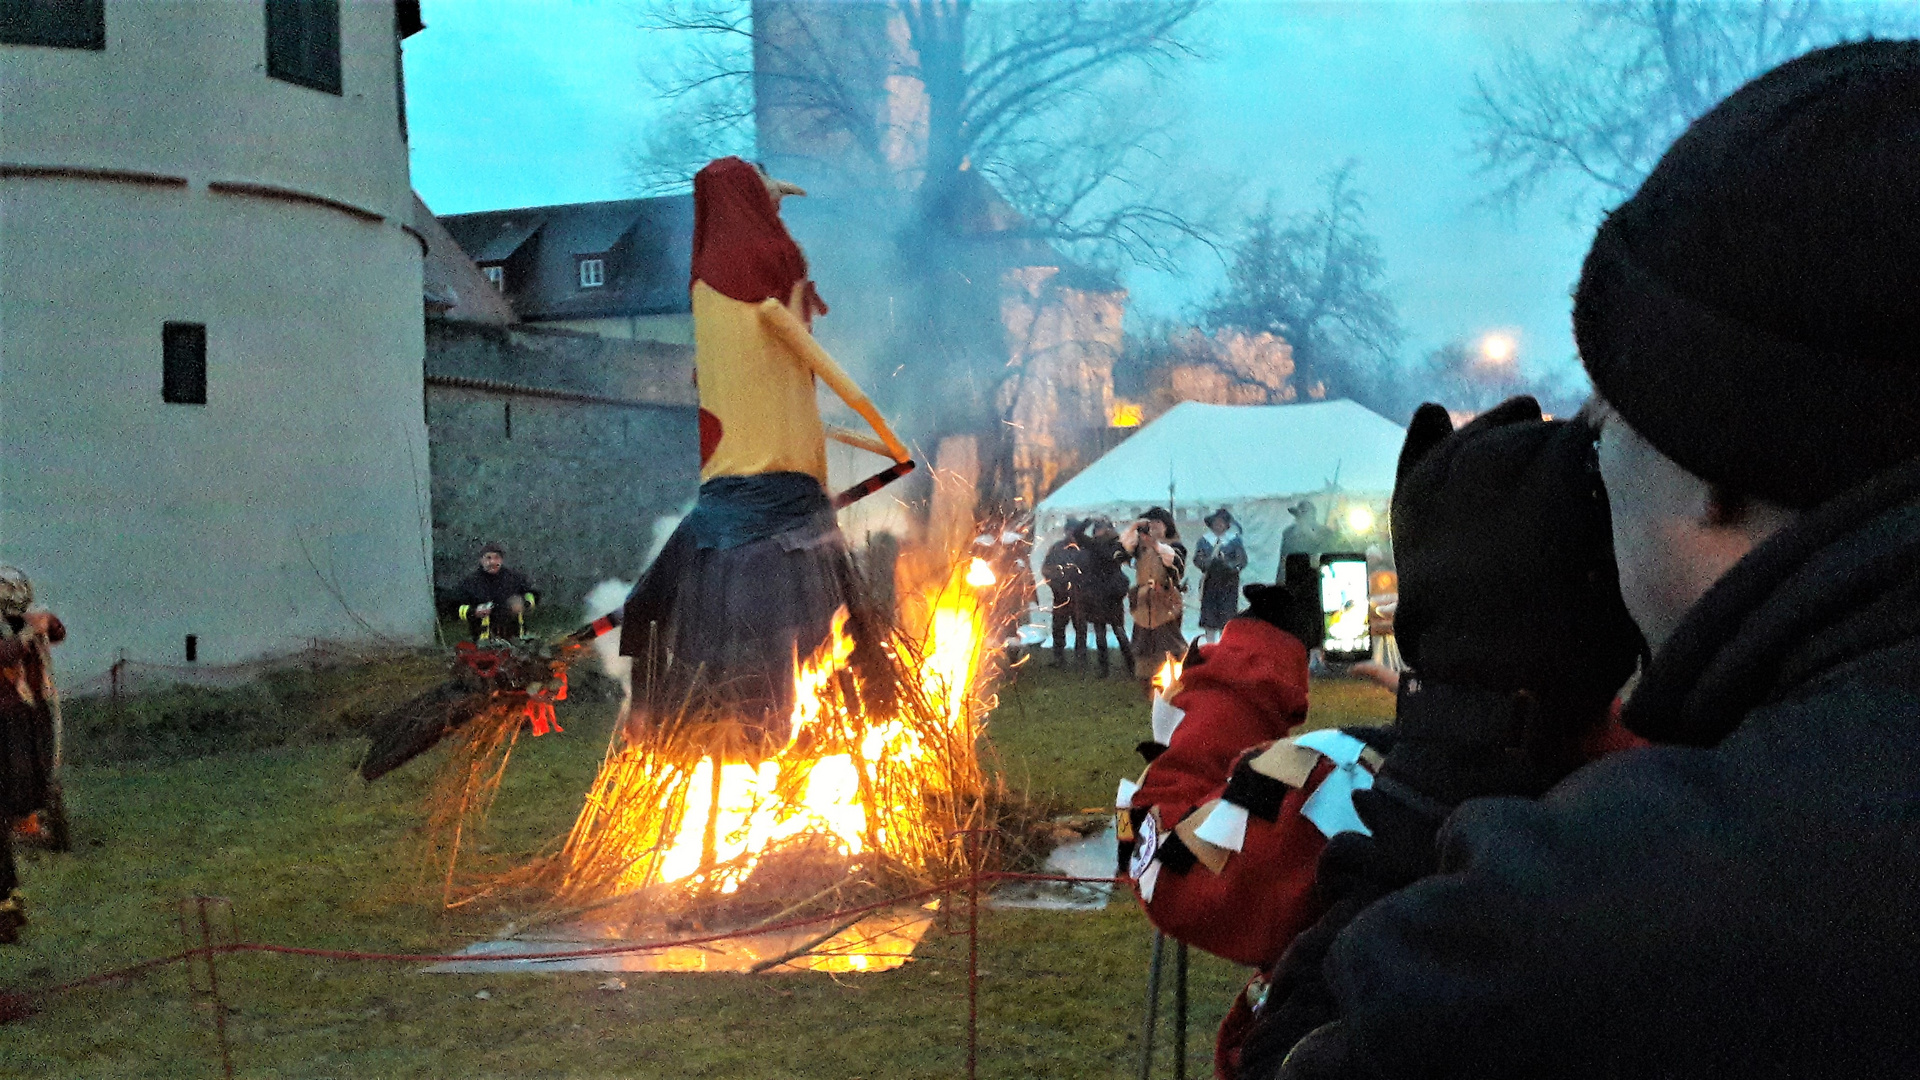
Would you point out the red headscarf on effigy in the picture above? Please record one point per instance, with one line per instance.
(741, 248)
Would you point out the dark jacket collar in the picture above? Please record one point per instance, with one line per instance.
(1824, 596)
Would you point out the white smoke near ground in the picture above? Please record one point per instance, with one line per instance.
(609, 596)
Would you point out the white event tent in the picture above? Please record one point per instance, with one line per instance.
(1256, 460)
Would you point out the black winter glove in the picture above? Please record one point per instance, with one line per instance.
(1292, 604)
(1510, 613)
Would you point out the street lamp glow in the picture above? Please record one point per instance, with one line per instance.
(1498, 348)
(1359, 520)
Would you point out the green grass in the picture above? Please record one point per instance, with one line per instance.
(310, 856)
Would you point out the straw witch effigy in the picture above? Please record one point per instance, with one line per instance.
(751, 579)
(753, 576)
(755, 591)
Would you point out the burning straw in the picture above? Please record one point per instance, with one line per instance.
(697, 819)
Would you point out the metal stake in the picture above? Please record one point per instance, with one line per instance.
(1153, 1005)
(204, 921)
(1180, 1011)
(973, 954)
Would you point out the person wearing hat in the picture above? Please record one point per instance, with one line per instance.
(494, 599)
(1100, 604)
(1157, 601)
(1219, 558)
(1065, 569)
(27, 739)
(1306, 536)
(1743, 897)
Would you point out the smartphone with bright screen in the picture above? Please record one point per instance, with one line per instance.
(1343, 599)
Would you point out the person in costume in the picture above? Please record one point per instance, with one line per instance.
(27, 738)
(1306, 536)
(494, 599)
(754, 576)
(1103, 596)
(1065, 570)
(1159, 582)
(1219, 556)
(1242, 887)
(1262, 851)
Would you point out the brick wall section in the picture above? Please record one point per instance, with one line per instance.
(576, 489)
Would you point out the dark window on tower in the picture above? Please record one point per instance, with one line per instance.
(60, 24)
(400, 85)
(183, 358)
(303, 42)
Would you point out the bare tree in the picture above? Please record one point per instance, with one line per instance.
(1630, 79)
(1470, 378)
(978, 138)
(1049, 99)
(1315, 279)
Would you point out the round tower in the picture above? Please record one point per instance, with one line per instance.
(211, 327)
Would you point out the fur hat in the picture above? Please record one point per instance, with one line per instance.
(16, 592)
(1754, 310)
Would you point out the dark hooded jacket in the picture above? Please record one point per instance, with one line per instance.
(1741, 901)
(26, 724)
(1066, 566)
(1106, 580)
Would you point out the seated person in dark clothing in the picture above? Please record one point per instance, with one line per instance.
(494, 598)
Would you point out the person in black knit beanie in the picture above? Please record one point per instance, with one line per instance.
(1742, 896)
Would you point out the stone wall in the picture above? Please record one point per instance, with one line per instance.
(564, 447)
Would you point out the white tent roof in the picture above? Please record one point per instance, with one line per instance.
(1220, 454)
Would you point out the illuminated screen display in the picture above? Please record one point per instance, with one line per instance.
(1343, 596)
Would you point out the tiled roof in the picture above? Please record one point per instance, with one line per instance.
(508, 235)
(647, 245)
(453, 286)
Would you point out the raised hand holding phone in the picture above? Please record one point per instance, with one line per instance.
(1343, 600)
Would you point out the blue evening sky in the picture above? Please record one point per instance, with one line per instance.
(527, 102)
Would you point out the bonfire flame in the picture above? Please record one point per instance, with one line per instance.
(847, 784)
(1167, 677)
(980, 573)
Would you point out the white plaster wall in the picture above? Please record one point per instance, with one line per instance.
(292, 505)
(182, 88)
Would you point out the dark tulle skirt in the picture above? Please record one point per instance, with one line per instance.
(720, 626)
(26, 758)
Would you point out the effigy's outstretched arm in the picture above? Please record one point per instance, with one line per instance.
(786, 326)
(853, 438)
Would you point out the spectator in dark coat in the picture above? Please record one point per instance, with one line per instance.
(26, 729)
(1219, 557)
(1103, 601)
(1065, 569)
(1743, 899)
(494, 599)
